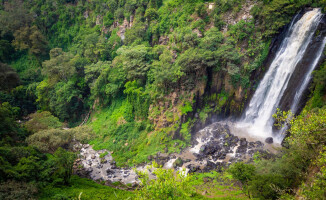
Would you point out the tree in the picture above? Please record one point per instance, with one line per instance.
(28, 168)
(64, 161)
(8, 77)
(243, 172)
(66, 100)
(50, 140)
(135, 61)
(12, 189)
(93, 71)
(151, 14)
(212, 40)
(60, 65)
(136, 34)
(8, 125)
(109, 84)
(13, 17)
(138, 98)
(41, 121)
(30, 38)
(6, 50)
(164, 72)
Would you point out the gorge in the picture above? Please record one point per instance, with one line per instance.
(224, 142)
(162, 99)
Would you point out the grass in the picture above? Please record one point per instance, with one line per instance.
(85, 189)
(214, 185)
(130, 140)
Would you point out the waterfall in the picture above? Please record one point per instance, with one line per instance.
(307, 79)
(258, 116)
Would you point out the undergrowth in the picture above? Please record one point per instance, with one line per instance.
(85, 189)
(129, 140)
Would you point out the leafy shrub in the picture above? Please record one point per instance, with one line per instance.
(185, 108)
(243, 172)
(51, 139)
(41, 121)
(165, 186)
(17, 190)
(185, 131)
(8, 77)
(316, 189)
(8, 125)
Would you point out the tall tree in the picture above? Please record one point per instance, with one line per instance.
(8, 77)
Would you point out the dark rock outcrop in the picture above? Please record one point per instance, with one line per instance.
(269, 140)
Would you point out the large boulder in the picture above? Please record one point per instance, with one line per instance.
(269, 140)
(192, 168)
(210, 148)
(210, 166)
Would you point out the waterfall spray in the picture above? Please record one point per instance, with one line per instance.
(258, 116)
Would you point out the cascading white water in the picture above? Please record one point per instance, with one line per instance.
(258, 116)
(307, 79)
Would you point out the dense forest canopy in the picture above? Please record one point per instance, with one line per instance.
(136, 77)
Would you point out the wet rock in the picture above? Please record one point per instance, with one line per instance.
(269, 140)
(219, 130)
(243, 142)
(199, 157)
(178, 163)
(93, 156)
(219, 156)
(110, 171)
(234, 140)
(210, 148)
(233, 159)
(192, 168)
(241, 150)
(209, 166)
(161, 159)
(251, 145)
(259, 144)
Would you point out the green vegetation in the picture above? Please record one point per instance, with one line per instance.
(138, 75)
(127, 138)
(216, 185)
(165, 186)
(42, 121)
(212, 185)
(274, 178)
(82, 188)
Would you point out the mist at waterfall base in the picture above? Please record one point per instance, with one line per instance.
(257, 121)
